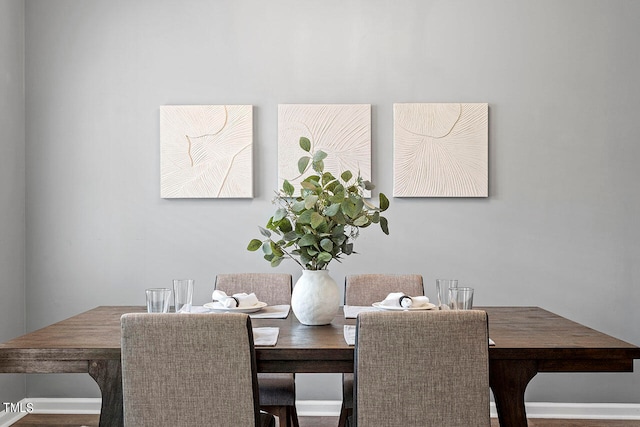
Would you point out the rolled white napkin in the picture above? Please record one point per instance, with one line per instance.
(400, 299)
(241, 300)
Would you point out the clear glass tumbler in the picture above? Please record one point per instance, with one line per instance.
(183, 295)
(442, 289)
(461, 298)
(158, 300)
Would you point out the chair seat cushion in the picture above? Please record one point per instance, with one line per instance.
(277, 389)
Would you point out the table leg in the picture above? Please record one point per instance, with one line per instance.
(508, 380)
(108, 375)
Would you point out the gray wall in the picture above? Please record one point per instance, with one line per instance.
(12, 186)
(559, 229)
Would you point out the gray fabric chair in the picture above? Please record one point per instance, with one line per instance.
(365, 289)
(190, 370)
(277, 391)
(417, 369)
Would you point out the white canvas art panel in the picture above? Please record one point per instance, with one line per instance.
(441, 150)
(343, 131)
(206, 151)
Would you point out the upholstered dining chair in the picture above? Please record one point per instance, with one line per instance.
(417, 369)
(190, 370)
(277, 391)
(365, 289)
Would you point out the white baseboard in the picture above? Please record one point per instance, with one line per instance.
(331, 408)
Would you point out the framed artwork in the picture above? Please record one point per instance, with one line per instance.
(206, 151)
(440, 150)
(343, 131)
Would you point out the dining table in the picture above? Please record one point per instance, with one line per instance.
(527, 340)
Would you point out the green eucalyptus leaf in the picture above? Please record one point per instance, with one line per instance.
(346, 176)
(316, 219)
(288, 188)
(264, 231)
(297, 206)
(339, 240)
(318, 166)
(327, 177)
(254, 245)
(276, 261)
(361, 221)
(319, 155)
(266, 248)
(324, 257)
(323, 228)
(280, 213)
(347, 248)
(305, 144)
(290, 236)
(375, 218)
(275, 249)
(332, 209)
(330, 187)
(326, 244)
(384, 202)
(349, 208)
(359, 205)
(367, 185)
(307, 240)
(305, 258)
(384, 225)
(303, 162)
(339, 218)
(310, 201)
(314, 179)
(285, 225)
(308, 185)
(305, 217)
(338, 197)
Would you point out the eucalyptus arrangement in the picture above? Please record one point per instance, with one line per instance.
(321, 223)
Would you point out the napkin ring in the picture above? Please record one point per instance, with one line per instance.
(236, 300)
(402, 298)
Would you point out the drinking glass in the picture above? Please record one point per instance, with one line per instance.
(183, 295)
(442, 289)
(158, 300)
(461, 298)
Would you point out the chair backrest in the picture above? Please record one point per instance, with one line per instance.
(365, 289)
(272, 288)
(189, 370)
(418, 369)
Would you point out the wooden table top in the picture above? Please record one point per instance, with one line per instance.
(519, 332)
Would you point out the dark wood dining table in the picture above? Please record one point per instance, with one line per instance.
(528, 340)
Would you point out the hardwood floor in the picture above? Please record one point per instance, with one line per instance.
(59, 420)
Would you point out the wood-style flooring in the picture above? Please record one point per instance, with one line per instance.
(58, 420)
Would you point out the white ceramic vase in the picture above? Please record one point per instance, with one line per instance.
(316, 298)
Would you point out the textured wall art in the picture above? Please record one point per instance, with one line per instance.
(206, 151)
(343, 131)
(440, 150)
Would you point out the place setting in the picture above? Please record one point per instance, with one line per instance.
(450, 297)
(245, 303)
(158, 301)
(395, 301)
